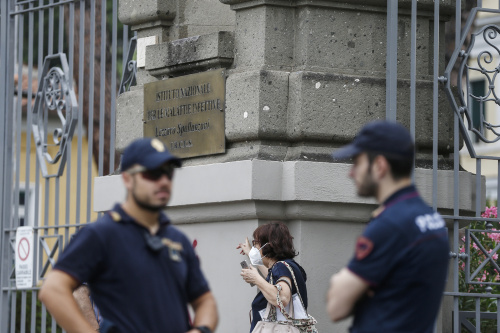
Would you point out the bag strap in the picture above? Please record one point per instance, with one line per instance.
(287, 315)
(281, 306)
(294, 280)
(310, 321)
(286, 280)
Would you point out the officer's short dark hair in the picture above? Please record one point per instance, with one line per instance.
(401, 167)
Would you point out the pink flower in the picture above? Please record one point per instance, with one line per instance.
(490, 212)
(494, 236)
(494, 256)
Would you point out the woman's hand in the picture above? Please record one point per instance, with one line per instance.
(245, 247)
(250, 275)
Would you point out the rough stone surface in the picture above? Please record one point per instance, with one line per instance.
(129, 115)
(191, 54)
(136, 13)
(332, 108)
(175, 19)
(301, 72)
(246, 150)
(197, 17)
(446, 6)
(142, 77)
(264, 37)
(334, 54)
(204, 17)
(256, 104)
(161, 31)
(354, 40)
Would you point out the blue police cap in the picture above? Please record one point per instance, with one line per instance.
(387, 138)
(151, 153)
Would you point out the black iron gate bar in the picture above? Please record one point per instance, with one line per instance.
(6, 72)
(13, 16)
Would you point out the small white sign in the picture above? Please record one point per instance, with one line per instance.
(24, 257)
(141, 49)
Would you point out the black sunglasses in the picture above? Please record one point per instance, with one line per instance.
(154, 174)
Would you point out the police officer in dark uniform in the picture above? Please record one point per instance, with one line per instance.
(396, 278)
(142, 271)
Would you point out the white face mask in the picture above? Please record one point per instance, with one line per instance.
(255, 257)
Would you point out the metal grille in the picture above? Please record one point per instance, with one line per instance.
(471, 301)
(61, 64)
(96, 47)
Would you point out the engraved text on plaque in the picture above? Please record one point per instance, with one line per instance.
(187, 113)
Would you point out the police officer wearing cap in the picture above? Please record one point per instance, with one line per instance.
(396, 278)
(142, 271)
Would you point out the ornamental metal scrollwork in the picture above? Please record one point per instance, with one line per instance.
(484, 65)
(130, 72)
(55, 103)
(477, 59)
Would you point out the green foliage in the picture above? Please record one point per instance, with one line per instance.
(488, 237)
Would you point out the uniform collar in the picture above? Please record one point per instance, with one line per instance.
(119, 215)
(400, 195)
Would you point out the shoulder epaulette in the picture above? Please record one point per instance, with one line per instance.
(115, 216)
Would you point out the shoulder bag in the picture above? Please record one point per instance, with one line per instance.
(291, 325)
(270, 325)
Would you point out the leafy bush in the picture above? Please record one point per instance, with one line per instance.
(487, 237)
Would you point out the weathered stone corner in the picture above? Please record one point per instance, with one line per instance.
(193, 54)
(129, 113)
(146, 13)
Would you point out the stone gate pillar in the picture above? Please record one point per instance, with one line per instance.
(302, 77)
(308, 74)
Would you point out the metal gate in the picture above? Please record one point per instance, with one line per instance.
(469, 80)
(62, 64)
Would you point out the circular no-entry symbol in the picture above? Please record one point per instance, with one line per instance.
(23, 249)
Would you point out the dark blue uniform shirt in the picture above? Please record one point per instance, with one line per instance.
(279, 270)
(134, 287)
(403, 255)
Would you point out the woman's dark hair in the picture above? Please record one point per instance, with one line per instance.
(278, 238)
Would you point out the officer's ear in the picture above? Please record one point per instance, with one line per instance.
(380, 167)
(127, 180)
